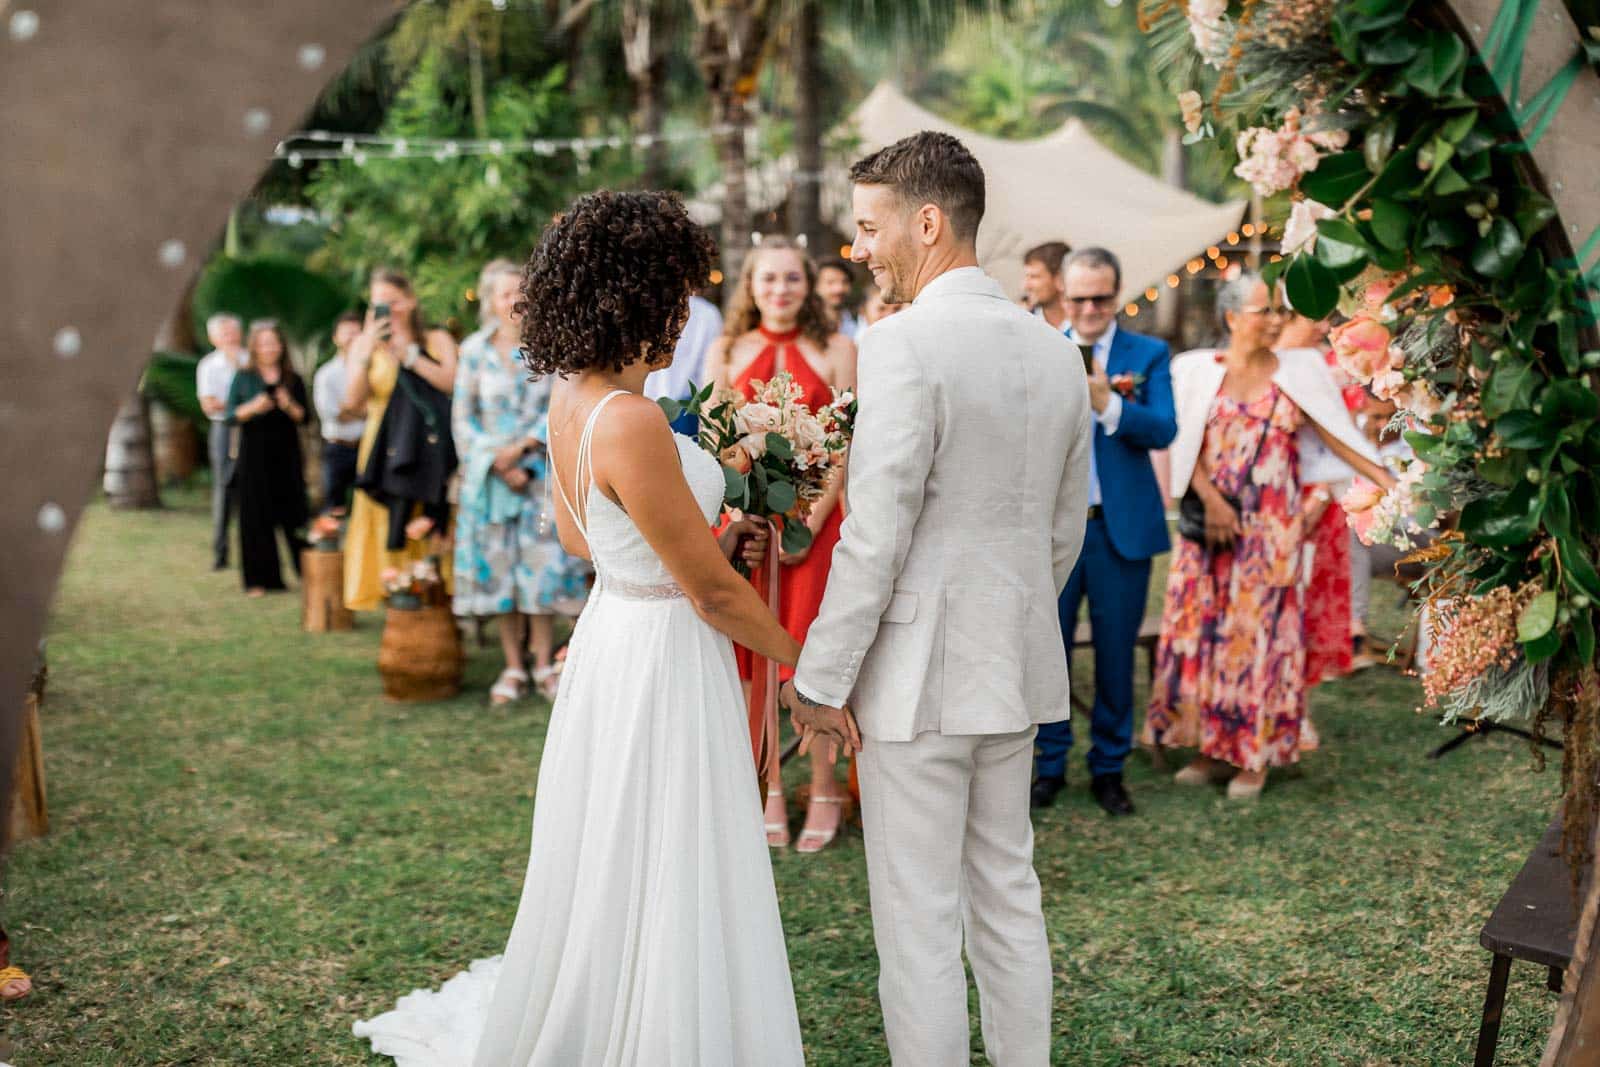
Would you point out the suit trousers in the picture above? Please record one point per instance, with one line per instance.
(950, 859)
(1116, 589)
(222, 496)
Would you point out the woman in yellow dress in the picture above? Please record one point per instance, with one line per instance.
(394, 336)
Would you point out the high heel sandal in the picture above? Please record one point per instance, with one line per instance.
(777, 832)
(814, 841)
(510, 687)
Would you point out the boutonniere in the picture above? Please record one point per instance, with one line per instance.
(1126, 384)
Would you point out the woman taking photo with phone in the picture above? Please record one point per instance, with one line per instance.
(393, 338)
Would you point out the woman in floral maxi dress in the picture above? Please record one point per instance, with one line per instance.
(1230, 664)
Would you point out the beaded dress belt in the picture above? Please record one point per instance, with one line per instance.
(605, 583)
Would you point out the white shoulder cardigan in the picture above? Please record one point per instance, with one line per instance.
(1197, 377)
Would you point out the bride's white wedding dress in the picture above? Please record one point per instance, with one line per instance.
(648, 931)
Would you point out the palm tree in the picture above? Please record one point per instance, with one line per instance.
(130, 477)
(648, 28)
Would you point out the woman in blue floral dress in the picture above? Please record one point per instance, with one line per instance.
(505, 565)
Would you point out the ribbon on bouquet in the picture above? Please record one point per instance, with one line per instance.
(763, 709)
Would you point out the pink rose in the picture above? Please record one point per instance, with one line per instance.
(1388, 385)
(1362, 347)
(736, 459)
(1361, 496)
(1376, 294)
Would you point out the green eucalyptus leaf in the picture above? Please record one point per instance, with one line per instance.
(796, 537)
(1313, 289)
(1496, 255)
(1539, 617)
(780, 496)
(779, 448)
(1391, 224)
(737, 489)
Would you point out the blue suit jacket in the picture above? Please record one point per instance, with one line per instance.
(1135, 514)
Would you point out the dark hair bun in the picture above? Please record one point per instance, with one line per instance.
(610, 278)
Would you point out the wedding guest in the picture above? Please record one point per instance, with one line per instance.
(1230, 664)
(1041, 282)
(393, 337)
(689, 356)
(875, 308)
(341, 426)
(1323, 477)
(778, 323)
(1130, 391)
(267, 403)
(213, 377)
(500, 553)
(835, 283)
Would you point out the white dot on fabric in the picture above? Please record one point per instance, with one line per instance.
(257, 120)
(24, 25)
(68, 342)
(52, 519)
(173, 253)
(312, 56)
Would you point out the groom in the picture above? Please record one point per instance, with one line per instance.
(968, 482)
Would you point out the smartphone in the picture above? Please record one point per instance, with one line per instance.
(380, 315)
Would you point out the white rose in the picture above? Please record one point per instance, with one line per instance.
(758, 419)
(755, 444)
(1301, 229)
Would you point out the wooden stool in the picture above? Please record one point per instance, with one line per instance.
(1536, 921)
(322, 586)
(30, 816)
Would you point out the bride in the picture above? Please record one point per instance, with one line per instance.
(648, 930)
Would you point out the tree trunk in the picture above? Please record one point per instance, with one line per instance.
(130, 480)
(1174, 171)
(806, 194)
(480, 104)
(730, 39)
(645, 33)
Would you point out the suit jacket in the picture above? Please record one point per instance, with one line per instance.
(1136, 516)
(412, 457)
(1301, 374)
(968, 499)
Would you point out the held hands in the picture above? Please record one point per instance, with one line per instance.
(746, 539)
(517, 478)
(818, 722)
(507, 458)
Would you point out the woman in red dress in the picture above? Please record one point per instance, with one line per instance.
(778, 323)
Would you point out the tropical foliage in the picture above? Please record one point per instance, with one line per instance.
(1417, 216)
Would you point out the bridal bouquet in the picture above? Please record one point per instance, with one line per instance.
(777, 454)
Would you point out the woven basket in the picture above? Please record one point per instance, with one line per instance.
(420, 657)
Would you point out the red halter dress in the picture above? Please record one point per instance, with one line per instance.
(800, 586)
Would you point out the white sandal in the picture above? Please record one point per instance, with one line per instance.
(511, 686)
(548, 679)
(823, 838)
(775, 829)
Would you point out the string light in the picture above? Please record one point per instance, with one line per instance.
(1233, 238)
(1222, 262)
(1195, 266)
(1213, 252)
(1151, 293)
(1172, 281)
(716, 277)
(845, 251)
(329, 145)
(1132, 310)
(1249, 229)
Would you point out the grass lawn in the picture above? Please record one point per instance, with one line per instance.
(251, 849)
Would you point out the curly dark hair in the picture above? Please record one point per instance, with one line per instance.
(610, 280)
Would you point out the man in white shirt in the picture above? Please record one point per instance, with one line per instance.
(689, 358)
(1042, 284)
(341, 426)
(213, 378)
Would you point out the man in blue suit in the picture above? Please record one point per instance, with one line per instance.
(1130, 390)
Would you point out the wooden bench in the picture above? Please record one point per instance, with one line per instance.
(1537, 921)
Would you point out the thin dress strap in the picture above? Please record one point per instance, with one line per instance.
(585, 464)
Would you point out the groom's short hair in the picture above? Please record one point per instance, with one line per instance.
(930, 167)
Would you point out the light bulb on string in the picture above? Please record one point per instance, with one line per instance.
(359, 159)
(295, 160)
(399, 146)
(491, 176)
(1213, 252)
(1233, 238)
(1172, 281)
(1132, 310)
(1249, 229)
(1151, 293)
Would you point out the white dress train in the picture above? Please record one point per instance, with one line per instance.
(648, 931)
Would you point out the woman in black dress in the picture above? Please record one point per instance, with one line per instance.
(266, 406)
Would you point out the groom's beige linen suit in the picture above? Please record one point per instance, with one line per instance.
(968, 491)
